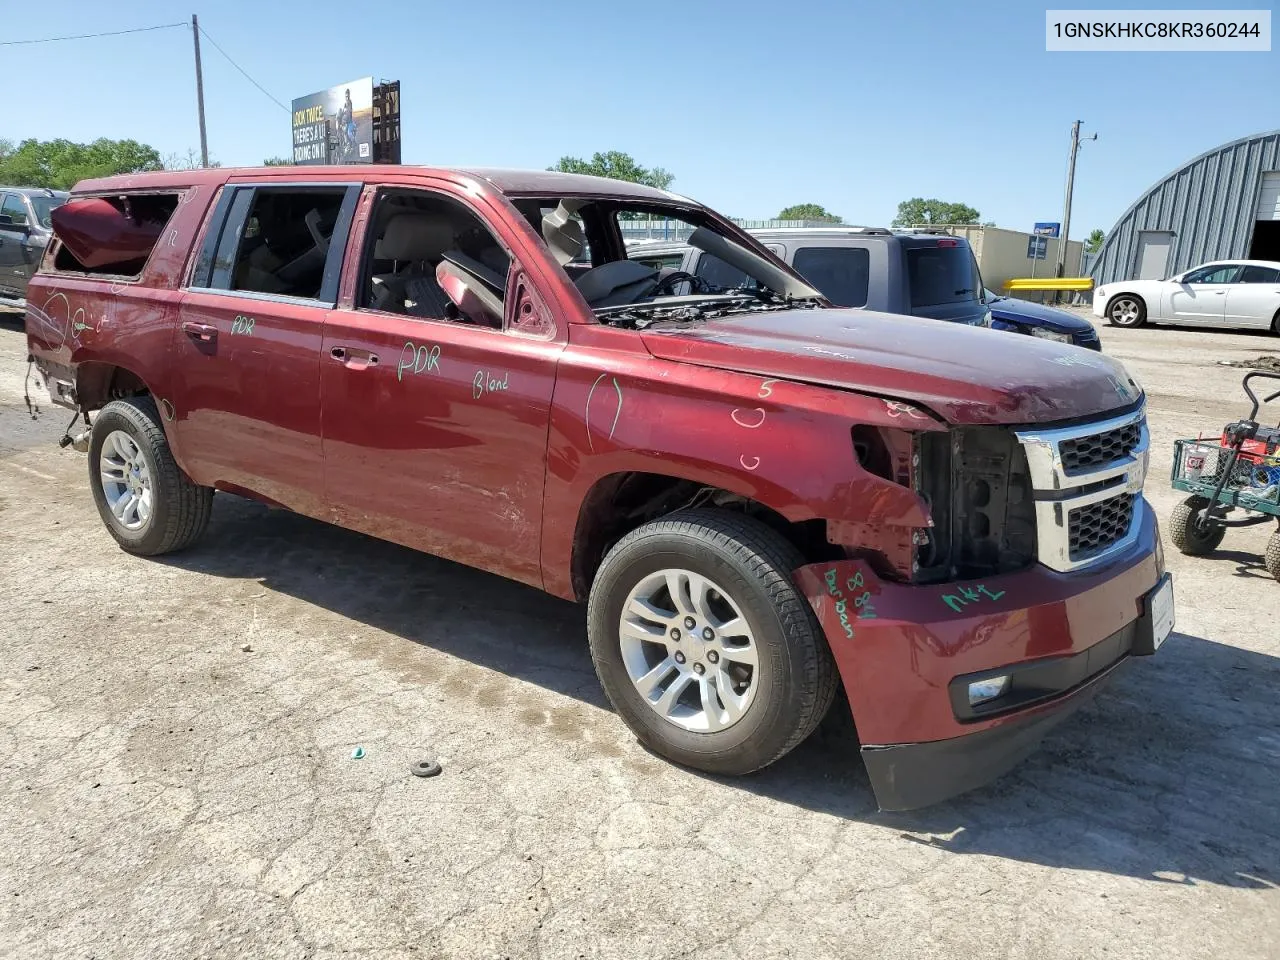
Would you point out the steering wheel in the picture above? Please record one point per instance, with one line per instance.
(667, 284)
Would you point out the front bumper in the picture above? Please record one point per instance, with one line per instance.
(900, 647)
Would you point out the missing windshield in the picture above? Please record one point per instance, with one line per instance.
(608, 249)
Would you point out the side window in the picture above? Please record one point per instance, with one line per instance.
(668, 261)
(720, 274)
(412, 232)
(277, 241)
(1222, 274)
(15, 208)
(839, 273)
(1253, 274)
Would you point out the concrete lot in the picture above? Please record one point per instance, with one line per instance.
(165, 794)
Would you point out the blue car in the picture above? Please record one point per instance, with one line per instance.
(1023, 316)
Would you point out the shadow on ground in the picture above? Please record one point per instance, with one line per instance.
(1170, 775)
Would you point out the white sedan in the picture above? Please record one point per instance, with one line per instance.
(1227, 293)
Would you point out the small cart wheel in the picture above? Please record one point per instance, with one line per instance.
(1272, 560)
(1186, 536)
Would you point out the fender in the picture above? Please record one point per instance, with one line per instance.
(783, 444)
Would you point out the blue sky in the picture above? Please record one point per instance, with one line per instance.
(753, 106)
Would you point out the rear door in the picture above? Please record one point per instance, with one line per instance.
(1254, 299)
(251, 323)
(1200, 297)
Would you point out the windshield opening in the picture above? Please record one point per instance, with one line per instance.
(942, 275)
(606, 246)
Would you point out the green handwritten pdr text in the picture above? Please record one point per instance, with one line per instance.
(968, 595)
(242, 325)
(861, 600)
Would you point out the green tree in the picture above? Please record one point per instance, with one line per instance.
(808, 211)
(1093, 243)
(619, 166)
(62, 164)
(277, 162)
(918, 210)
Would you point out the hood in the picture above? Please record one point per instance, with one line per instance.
(1038, 315)
(966, 375)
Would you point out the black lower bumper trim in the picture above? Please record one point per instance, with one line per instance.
(911, 775)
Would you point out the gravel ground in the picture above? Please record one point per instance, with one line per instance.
(166, 794)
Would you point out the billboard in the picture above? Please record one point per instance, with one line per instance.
(335, 125)
(1046, 229)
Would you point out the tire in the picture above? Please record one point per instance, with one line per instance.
(1275, 323)
(178, 510)
(1189, 540)
(1126, 310)
(1272, 559)
(747, 565)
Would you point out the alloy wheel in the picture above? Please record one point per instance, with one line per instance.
(688, 650)
(126, 481)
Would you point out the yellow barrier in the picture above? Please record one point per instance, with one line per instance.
(1050, 283)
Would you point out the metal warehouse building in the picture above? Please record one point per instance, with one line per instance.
(1223, 205)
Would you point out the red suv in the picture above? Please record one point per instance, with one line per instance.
(755, 493)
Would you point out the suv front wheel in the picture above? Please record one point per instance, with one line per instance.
(703, 644)
(147, 503)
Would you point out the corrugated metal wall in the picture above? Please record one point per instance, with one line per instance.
(1208, 204)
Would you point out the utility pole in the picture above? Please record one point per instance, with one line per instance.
(1066, 212)
(204, 140)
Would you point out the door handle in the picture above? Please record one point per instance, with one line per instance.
(203, 332)
(355, 359)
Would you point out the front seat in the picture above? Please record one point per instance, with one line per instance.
(415, 241)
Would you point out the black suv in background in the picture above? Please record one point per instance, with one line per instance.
(25, 229)
(924, 274)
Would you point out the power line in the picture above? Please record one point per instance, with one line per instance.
(90, 36)
(205, 34)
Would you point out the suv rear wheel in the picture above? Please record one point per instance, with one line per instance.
(703, 644)
(147, 503)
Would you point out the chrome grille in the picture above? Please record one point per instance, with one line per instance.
(1096, 527)
(1082, 454)
(1087, 483)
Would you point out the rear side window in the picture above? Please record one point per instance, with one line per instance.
(941, 275)
(284, 241)
(14, 209)
(719, 274)
(839, 273)
(110, 236)
(1252, 274)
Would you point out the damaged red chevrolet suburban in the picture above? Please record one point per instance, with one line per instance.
(756, 494)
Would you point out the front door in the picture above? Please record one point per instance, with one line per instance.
(435, 422)
(1200, 297)
(247, 351)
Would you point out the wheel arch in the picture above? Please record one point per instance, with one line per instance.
(619, 502)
